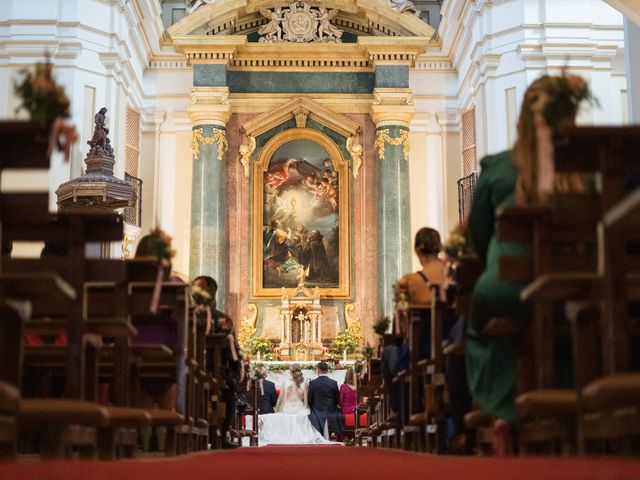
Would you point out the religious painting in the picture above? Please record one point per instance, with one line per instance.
(300, 215)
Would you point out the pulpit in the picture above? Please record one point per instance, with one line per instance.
(301, 324)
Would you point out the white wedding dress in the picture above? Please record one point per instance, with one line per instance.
(290, 424)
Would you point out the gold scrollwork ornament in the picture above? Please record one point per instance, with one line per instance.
(245, 154)
(219, 137)
(382, 137)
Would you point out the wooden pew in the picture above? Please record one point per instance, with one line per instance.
(609, 408)
(163, 359)
(562, 267)
(25, 217)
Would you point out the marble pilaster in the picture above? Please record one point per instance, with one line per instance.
(394, 203)
(209, 250)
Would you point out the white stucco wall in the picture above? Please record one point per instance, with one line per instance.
(110, 53)
(493, 47)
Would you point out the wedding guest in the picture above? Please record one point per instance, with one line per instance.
(507, 178)
(348, 400)
(155, 393)
(230, 361)
(392, 363)
(348, 393)
(268, 395)
(427, 246)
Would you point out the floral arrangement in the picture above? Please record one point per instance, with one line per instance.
(367, 352)
(344, 342)
(457, 244)
(260, 345)
(41, 96)
(257, 371)
(559, 98)
(358, 367)
(283, 367)
(47, 105)
(200, 294)
(382, 325)
(158, 244)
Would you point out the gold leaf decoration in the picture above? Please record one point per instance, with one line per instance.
(355, 151)
(245, 154)
(382, 137)
(219, 137)
(354, 326)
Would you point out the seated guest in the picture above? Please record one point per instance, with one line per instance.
(230, 357)
(267, 395)
(508, 178)
(394, 358)
(154, 393)
(428, 248)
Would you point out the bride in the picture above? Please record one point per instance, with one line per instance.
(290, 424)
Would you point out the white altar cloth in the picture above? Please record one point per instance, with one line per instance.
(278, 377)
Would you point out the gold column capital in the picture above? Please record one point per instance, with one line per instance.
(209, 106)
(392, 106)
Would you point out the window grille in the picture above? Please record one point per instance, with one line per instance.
(133, 215)
(466, 186)
(469, 159)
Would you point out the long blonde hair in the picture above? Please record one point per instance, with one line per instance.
(549, 102)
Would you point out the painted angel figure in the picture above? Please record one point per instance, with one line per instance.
(271, 31)
(326, 31)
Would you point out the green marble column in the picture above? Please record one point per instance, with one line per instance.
(394, 211)
(209, 251)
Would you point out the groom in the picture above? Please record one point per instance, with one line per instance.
(323, 398)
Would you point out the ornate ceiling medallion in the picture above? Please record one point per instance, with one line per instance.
(299, 23)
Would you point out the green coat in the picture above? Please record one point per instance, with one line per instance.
(491, 363)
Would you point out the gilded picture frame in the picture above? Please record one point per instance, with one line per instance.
(269, 277)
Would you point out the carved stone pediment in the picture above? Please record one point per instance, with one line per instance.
(379, 18)
(299, 23)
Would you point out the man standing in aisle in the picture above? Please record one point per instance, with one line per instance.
(230, 361)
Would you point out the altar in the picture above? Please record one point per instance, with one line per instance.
(301, 323)
(278, 373)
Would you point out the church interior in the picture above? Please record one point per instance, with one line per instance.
(433, 203)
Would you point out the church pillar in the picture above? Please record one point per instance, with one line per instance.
(392, 110)
(209, 112)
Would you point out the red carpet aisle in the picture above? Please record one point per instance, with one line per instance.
(325, 463)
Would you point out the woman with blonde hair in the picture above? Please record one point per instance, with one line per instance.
(508, 178)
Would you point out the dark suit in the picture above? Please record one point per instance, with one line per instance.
(267, 402)
(323, 398)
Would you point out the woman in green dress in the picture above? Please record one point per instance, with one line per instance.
(508, 178)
